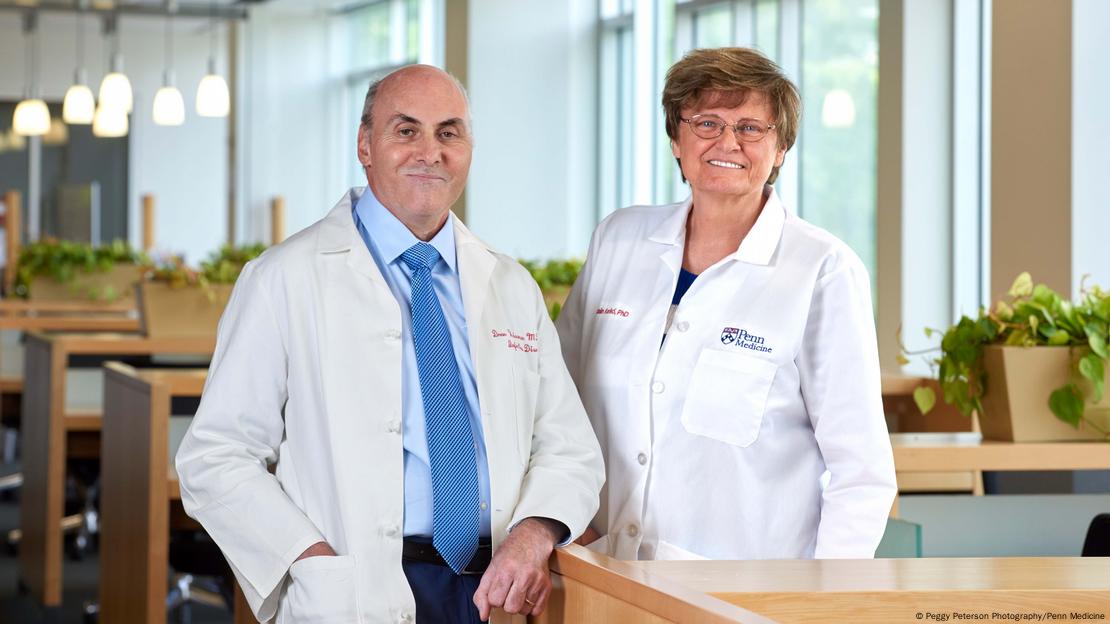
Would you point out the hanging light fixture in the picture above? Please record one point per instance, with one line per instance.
(31, 117)
(213, 98)
(115, 88)
(110, 123)
(169, 106)
(78, 106)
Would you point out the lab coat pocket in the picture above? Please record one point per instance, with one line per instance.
(321, 590)
(727, 396)
(666, 551)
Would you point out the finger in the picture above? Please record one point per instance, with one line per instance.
(481, 598)
(498, 590)
(514, 601)
(542, 595)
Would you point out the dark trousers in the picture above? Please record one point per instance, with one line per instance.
(442, 597)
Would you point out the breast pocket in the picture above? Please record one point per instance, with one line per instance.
(727, 396)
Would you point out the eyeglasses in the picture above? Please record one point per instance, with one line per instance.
(712, 126)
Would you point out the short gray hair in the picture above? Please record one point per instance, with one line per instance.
(372, 92)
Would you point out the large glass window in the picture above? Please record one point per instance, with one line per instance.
(827, 47)
(380, 37)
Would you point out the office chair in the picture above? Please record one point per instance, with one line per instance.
(1097, 543)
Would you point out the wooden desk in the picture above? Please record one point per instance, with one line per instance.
(1004, 456)
(84, 316)
(592, 587)
(45, 427)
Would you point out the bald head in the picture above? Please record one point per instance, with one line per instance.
(414, 144)
(408, 76)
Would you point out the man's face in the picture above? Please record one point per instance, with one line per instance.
(417, 149)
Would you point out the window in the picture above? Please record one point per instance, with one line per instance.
(827, 47)
(381, 36)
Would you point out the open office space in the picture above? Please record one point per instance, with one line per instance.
(336, 310)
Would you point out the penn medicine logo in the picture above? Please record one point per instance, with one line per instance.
(741, 338)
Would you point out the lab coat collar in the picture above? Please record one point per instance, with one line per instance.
(758, 246)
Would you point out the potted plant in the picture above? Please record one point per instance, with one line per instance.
(52, 270)
(1033, 367)
(555, 279)
(178, 301)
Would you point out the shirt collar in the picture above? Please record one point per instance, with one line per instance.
(392, 238)
(757, 247)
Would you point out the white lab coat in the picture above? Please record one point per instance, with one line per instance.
(716, 443)
(307, 373)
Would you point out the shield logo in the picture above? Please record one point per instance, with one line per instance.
(729, 334)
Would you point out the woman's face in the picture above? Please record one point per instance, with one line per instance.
(726, 165)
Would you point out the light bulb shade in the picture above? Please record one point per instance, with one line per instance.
(78, 107)
(115, 92)
(838, 110)
(109, 122)
(169, 107)
(31, 118)
(213, 99)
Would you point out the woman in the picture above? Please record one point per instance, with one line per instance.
(725, 349)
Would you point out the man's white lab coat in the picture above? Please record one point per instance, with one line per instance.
(307, 373)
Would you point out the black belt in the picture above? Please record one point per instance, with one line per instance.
(422, 550)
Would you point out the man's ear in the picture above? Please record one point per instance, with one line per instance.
(364, 145)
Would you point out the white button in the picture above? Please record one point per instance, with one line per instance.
(657, 387)
(405, 616)
(682, 326)
(642, 458)
(394, 426)
(483, 506)
(393, 334)
(392, 531)
(633, 530)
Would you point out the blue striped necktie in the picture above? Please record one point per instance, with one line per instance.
(455, 515)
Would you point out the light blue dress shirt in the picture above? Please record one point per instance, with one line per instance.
(387, 238)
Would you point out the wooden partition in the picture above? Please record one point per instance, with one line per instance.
(47, 431)
(595, 588)
(138, 489)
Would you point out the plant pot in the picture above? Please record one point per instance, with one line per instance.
(556, 294)
(1015, 401)
(185, 312)
(111, 285)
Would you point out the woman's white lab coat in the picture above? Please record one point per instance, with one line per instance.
(717, 441)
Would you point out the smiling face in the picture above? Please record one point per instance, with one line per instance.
(726, 166)
(417, 148)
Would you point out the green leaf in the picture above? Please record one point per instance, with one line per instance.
(1023, 286)
(1091, 367)
(925, 398)
(1067, 404)
(1058, 338)
(902, 360)
(1045, 296)
(1098, 345)
(1003, 310)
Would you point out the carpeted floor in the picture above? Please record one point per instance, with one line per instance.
(80, 580)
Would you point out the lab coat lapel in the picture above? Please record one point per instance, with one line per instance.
(475, 265)
(361, 373)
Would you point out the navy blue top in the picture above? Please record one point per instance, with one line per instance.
(685, 280)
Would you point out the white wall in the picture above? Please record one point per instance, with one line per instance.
(184, 167)
(532, 82)
(1090, 208)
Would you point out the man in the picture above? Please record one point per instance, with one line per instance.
(408, 383)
